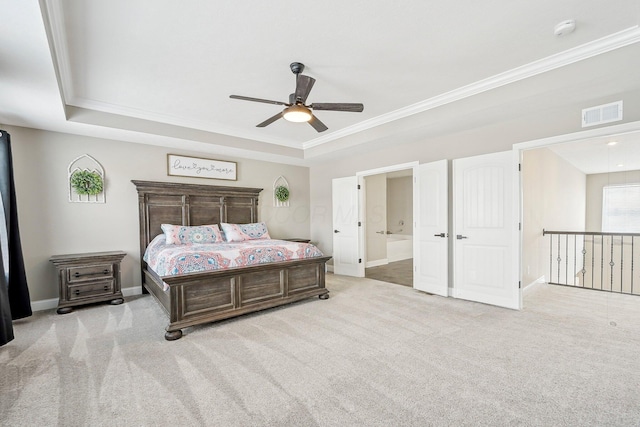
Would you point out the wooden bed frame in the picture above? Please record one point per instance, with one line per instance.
(197, 298)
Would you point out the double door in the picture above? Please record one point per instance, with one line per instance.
(481, 247)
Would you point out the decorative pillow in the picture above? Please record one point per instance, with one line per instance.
(240, 232)
(183, 235)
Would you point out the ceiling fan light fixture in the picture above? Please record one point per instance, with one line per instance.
(297, 114)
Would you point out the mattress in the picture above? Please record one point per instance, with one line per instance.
(171, 260)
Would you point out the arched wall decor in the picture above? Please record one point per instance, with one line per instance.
(281, 193)
(95, 176)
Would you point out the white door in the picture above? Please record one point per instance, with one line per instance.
(486, 230)
(345, 226)
(430, 237)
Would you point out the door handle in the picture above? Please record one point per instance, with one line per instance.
(336, 231)
(439, 235)
(460, 237)
(380, 232)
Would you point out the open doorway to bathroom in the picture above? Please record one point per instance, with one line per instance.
(389, 227)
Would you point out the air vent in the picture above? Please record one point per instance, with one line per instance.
(602, 114)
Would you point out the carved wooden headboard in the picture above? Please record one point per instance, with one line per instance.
(191, 204)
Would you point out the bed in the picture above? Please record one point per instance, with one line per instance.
(195, 298)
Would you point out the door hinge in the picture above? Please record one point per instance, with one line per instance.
(359, 260)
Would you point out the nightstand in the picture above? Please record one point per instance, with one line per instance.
(88, 278)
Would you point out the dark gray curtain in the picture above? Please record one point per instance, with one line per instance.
(14, 293)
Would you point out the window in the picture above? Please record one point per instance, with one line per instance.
(621, 209)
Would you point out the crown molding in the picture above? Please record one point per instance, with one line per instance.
(588, 50)
(53, 18)
(178, 122)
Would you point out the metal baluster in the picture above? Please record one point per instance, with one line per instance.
(575, 260)
(584, 255)
(632, 241)
(601, 261)
(611, 264)
(551, 258)
(593, 260)
(566, 259)
(621, 262)
(559, 259)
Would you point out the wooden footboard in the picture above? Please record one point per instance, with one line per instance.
(197, 298)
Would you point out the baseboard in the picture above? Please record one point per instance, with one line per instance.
(377, 263)
(48, 304)
(45, 304)
(531, 286)
(135, 290)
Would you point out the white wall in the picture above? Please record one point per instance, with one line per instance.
(376, 202)
(51, 225)
(400, 205)
(554, 198)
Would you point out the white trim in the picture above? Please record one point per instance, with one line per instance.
(533, 285)
(54, 24)
(386, 169)
(588, 50)
(178, 122)
(53, 18)
(134, 290)
(377, 263)
(620, 129)
(45, 304)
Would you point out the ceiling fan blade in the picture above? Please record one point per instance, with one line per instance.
(269, 120)
(303, 87)
(356, 108)
(317, 124)
(266, 101)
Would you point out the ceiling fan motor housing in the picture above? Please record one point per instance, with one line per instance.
(297, 67)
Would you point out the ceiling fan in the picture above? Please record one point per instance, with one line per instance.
(296, 110)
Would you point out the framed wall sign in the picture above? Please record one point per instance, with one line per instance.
(201, 168)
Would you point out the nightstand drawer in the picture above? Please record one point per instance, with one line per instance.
(93, 289)
(91, 272)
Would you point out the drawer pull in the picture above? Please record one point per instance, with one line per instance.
(105, 271)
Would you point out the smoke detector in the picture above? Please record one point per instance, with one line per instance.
(564, 27)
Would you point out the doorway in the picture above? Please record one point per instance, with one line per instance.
(388, 224)
(563, 180)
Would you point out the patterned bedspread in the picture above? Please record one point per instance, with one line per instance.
(170, 260)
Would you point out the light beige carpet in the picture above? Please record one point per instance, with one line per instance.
(374, 354)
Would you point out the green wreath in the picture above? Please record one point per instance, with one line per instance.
(87, 182)
(282, 193)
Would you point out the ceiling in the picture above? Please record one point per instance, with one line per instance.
(161, 72)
